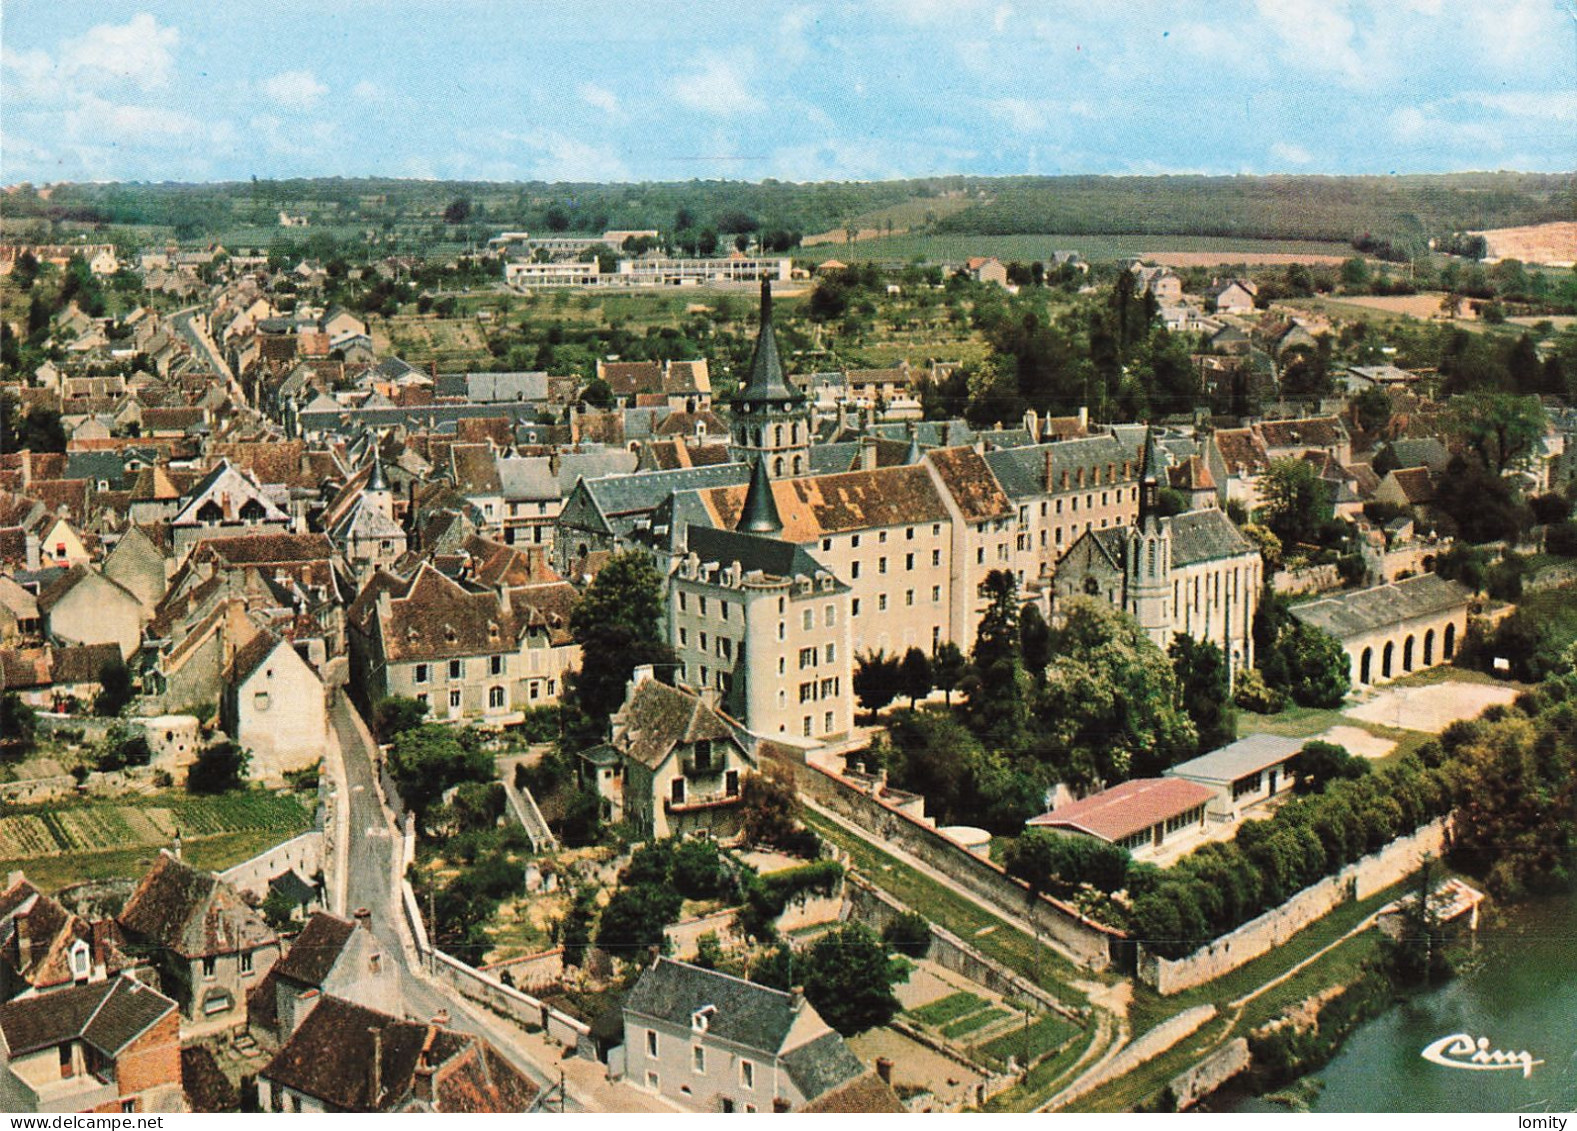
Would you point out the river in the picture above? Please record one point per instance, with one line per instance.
(1519, 990)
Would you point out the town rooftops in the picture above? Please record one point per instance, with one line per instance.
(655, 718)
(1350, 614)
(755, 554)
(1311, 432)
(107, 1015)
(1239, 759)
(194, 914)
(742, 1013)
(1205, 535)
(1126, 809)
(316, 949)
(833, 504)
(969, 480)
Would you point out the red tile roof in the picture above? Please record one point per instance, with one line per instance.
(1126, 809)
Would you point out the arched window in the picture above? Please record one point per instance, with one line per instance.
(777, 435)
(1450, 641)
(798, 465)
(1429, 648)
(777, 468)
(1092, 587)
(1385, 659)
(1407, 655)
(1365, 666)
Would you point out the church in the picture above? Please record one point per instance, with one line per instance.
(1192, 573)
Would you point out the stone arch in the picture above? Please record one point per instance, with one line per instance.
(1386, 659)
(777, 468)
(1429, 648)
(1449, 648)
(1366, 666)
(799, 465)
(1407, 654)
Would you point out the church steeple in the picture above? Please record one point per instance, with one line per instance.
(1152, 477)
(771, 417)
(760, 512)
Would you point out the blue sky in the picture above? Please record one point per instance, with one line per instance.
(748, 89)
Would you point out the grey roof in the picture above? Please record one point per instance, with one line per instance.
(1205, 535)
(528, 477)
(754, 553)
(818, 1066)
(1351, 614)
(930, 433)
(493, 388)
(766, 383)
(1022, 471)
(759, 515)
(318, 415)
(1130, 436)
(594, 464)
(631, 494)
(108, 466)
(107, 1015)
(743, 1013)
(1239, 759)
(833, 459)
(1426, 452)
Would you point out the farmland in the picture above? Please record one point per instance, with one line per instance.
(956, 247)
(65, 842)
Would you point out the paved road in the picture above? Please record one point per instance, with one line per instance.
(184, 322)
(375, 849)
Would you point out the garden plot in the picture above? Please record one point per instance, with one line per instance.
(978, 1022)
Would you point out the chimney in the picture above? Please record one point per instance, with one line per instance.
(422, 1083)
(867, 453)
(1084, 418)
(1032, 425)
(884, 1069)
(363, 918)
(797, 998)
(375, 1069)
(32, 550)
(24, 943)
(641, 674)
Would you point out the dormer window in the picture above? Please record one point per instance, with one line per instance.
(701, 1019)
(81, 961)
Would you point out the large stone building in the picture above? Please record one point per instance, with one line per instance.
(1391, 630)
(1191, 573)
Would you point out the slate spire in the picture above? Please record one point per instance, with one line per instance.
(376, 481)
(766, 382)
(760, 512)
(1151, 478)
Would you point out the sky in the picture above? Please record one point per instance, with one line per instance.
(591, 90)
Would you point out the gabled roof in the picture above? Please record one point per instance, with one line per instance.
(1126, 809)
(436, 619)
(107, 1015)
(1238, 759)
(655, 718)
(316, 949)
(1205, 535)
(192, 913)
(1311, 432)
(967, 477)
(755, 554)
(813, 507)
(822, 1064)
(1242, 451)
(1350, 614)
(742, 1013)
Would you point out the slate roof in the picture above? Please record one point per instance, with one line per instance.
(1023, 472)
(657, 718)
(1238, 759)
(107, 1015)
(1415, 483)
(1205, 535)
(1351, 614)
(968, 479)
(1425, 452)
(744, 1013)
(491, 388)
(192, 913)
(204, 1083)
(754, 553)
(436, 618)
(765, 383)
(475, 469)
(1126, 809)
(820, 1065)
(316, 949)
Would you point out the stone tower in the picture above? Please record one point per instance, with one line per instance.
(1149, 564)
(771, 418)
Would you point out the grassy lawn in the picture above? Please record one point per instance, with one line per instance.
(1045, 1079)
(1043, 1034)
(974, 1021)
(962, 916)
(66, 842)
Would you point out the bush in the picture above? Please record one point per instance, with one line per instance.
(218, 769)
(909, 935)
(1253, 694)
(1561, 539)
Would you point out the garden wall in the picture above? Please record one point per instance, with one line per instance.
(1188, 1088)
(304, 853)
(1358, 880)
(31, 791)
(512, 1003)
(1078, 938)
(684, 937)
(532, 972)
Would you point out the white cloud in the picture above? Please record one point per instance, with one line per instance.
(295, 90)
(138, 51)
(1288, 153)
(368, 91)
(717, 88)
(1315, 33)
(559, 157)
(600, 97)
(1021, 114)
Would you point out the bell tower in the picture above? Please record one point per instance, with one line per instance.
(770, 416)
(1149, 564)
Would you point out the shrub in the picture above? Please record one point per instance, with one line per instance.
(909, 935)
(1253, 694)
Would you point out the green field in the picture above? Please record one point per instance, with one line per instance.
(66, 842)
(955, 248)
(1027, 1045)
(947, 1009)
(966, 1025)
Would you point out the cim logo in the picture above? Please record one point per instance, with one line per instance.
(1462, 1051)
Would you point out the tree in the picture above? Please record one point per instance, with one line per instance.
(1034, 637)
(1204, 686)
(634, 920)
(698, 871)
(1502, 428)
(996, 709)
(597, 393)
(218, 769)
(616, 625)
(878, 679)
(429, 759)
(1372, 409)
(1320, 763)
(1060, 863)
(42, 431)
(914, 675)
(1295, 501)
(948, 667)
(114, 688)
(1309, 664)
(848, 978)
(18, 724)
(393, 715)
(769, 814)
(909, 934)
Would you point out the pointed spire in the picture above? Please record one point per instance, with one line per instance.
(1151, 477)
(766, 381)
(376, 481)
(760, 512)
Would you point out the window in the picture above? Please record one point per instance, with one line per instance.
(684, 638)
(731, 783)
(456, 669)
(808, 619)
(651, 1042)
(722, 609)
(651, 1081)
(807, 692)
(747, 1075)
(854, 571)
(676, 791)
(698, 1059)
(854, 606)
(701, 606)
(827, 723)
(128, 1106)
(936, 530)
(782, 630)
(882, 537)
(806, 726)
(908, 597)
(807, 658)
(703, 641)
(454, 700)
(683, 603)
(495, 665)
(908, 561)
(980, 555)
(936, 594)
(854, 542)
(421, 674)
(936, 557)
(830, 653)
(881, 602)
(422, 698)
(909, 533)
(725, 647)
(829, 687)
(246, 962)
(782, 666)
(830, 615)
(881, 565)
(826, 544)
(495, 698)
(208, 967)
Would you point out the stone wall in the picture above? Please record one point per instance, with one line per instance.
(1311, 579)
(1358, 880)
(532, 972)
(1148, 1046)
(684, 937)
(32, 791)
(515, 1004)
(1550, 577)
(1072, 934)
(304, 853)
(1209, 1074)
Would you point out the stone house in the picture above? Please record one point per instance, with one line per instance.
(85, 607)
(331, 957)
(209, 947)
(274, 705)
(712, 1042)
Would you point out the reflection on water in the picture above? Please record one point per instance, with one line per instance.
(1519, 992)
